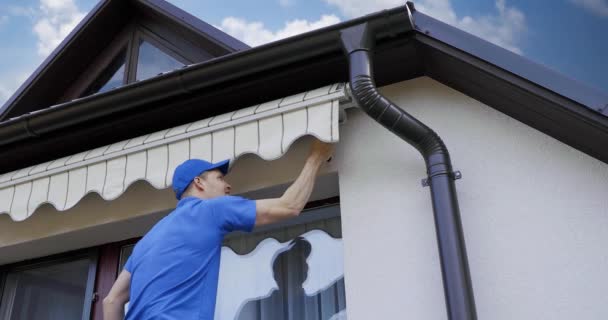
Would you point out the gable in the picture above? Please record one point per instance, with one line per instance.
(404, 50)
(112, 28)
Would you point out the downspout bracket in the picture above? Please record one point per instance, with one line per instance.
(456, 175)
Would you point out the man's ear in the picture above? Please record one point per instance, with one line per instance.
(198, 184)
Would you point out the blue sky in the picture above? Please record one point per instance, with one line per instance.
(565, 35)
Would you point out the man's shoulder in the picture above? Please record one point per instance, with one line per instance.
(224, 200)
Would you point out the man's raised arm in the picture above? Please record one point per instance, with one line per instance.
(296, 196)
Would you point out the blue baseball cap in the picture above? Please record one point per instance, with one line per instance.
(185, 173)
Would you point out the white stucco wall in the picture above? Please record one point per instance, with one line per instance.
(534, 212)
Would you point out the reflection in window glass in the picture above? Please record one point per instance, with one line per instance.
(112, 77)
(152, 61)
(125, 253)
(55, 292)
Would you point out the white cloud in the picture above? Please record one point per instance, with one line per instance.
(57, 19)
(3, 20)
(255, 33)
(598, 7)
(503, 27)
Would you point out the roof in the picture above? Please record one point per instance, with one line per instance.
(93, 34)
(407, 46)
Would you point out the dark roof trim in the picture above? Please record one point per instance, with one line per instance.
(389, 23)
(525, 69)
(189, 21)
(568, 105)
(8, 105)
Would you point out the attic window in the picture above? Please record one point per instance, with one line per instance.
(152, 61)
(112, 77)
(135, 55)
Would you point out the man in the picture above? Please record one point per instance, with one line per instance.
(173, 270)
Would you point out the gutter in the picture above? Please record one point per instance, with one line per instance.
(196, 78)
(357, 42)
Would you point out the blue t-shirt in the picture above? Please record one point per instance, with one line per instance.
(175, 266)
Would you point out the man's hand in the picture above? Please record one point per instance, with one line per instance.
(321, 150)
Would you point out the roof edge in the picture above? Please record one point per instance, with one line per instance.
(41, 69)
(197, 25)
(513, 63)
(390, 23)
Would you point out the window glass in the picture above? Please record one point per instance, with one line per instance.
(125, 253)
(152, 61)
(51, 292)
(286, 272)
(112, 77)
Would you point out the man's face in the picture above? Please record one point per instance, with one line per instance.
(214, 184)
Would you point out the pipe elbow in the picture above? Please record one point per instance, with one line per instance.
(401, 123)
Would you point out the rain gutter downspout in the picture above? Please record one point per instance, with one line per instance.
(357, 42)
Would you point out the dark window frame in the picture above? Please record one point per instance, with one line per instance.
(100, 64)
(141, 28)
(189, 44)
(107, 271)
(98, 84)
(90, 254)
(142, 34)
(2, 282)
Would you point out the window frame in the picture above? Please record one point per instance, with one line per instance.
(90, 254)
(121, 53)
(146, 29)
(143, 34)
(2, 282)
(100, 64)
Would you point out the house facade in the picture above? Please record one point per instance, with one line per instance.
(88, 158)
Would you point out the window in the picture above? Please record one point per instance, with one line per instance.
(289, 271)
(112, 77)
(142, 55)
(52, 290)
(152, 61)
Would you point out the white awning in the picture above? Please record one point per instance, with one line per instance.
(267, 130)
